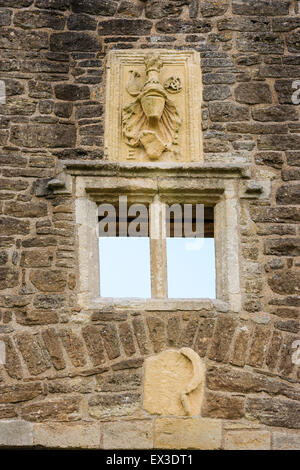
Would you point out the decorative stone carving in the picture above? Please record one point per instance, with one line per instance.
(152, 119)
(163, 122)
(174, 383)
(173, 85)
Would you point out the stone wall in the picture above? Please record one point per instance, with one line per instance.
(72, 377)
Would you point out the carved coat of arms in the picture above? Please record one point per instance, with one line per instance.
(151, 120)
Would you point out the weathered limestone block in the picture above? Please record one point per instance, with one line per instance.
(69, 92)
(119, 381)
(126, 337)
(174, 382)
(161, 8)
(293, 158)
(92, 7)
(174, 25)
(57, 410)
(67, 436)
(244, 24)
(278, 113)
(140, 334)
(210, 8)
(16, 433)
(221, 405)
(13, 226)
(227, 111)
(265, 43)
(49, 4)
(93, 340)
(273, 159)
(286, 441)
(260, 7)
(285, 282)
(20, 392)
(54, 349)
(74, 347)
(8, 278)
(26, 209)
(247, 440)
(253, 93)
(5, 19)
(230, 379)
(222, 338)
(282, 247)
(43, 135)
(36, 258)
(12, 361)
(293, 42)
(157, 332)
(241, 346)
(128, 435)
(68, 386)
(7, 411)
(36, 317)
(81, 22)
(110, 338)
(190, 433)
(173, 327)
(124, 27)
(288, 194)
(48, 280)
(74, 41)
(131, 9)
(38, 19)
(259, 345)
(32, 353)
(114, 404)
(17, 39)
(205, 332)
(274, 411)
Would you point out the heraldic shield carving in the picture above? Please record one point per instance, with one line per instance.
(152, 119)
(153, 106)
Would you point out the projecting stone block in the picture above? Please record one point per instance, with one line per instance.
(174, 382)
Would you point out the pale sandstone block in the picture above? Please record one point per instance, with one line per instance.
(128, 435)
(66, 436)
(174, 382)
(247, 440)
(286, 441)
(16, 433)
(187, 433)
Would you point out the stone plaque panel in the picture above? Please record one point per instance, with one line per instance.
(153, 106)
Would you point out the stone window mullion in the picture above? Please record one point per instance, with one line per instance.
(158, 249)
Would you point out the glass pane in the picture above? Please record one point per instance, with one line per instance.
(191, 268)
(125, 267)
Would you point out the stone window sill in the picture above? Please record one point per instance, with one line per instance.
(166, 305)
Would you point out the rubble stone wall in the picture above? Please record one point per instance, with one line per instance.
(78, 383)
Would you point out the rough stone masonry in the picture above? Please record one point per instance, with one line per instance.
(74, 377)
